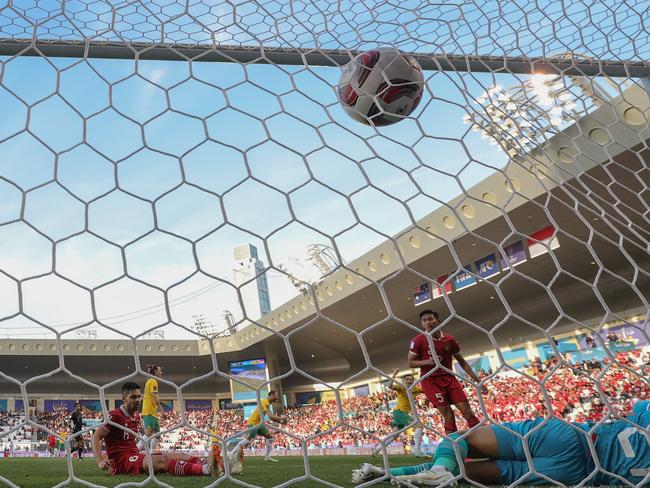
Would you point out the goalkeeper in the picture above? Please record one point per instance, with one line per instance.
(559, 454)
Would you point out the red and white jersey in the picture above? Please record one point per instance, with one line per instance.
(121, 442)
(446, 346)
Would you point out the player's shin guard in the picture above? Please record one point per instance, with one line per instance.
(409, 470)
(446, 456)
(184, 468)
(418, 441)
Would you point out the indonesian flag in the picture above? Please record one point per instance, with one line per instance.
(538, 241)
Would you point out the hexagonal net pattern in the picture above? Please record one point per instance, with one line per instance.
(180, 185)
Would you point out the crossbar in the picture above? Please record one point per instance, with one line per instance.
(319, 57)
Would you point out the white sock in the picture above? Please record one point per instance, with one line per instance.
(206, 469)
(240, 445)
(154, 443)
(418, 440)
(142, 442)
(269, 446)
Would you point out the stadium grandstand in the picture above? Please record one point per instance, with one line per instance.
(512, 397)
(510, 210)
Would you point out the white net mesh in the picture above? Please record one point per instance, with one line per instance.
(179, 184)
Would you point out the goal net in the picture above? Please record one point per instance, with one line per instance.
(180, 185)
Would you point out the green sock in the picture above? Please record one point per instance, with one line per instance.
(406, 470)
(446, 456)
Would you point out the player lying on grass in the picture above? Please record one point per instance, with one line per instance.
(124, 457)
(402, 413)
(558, 450)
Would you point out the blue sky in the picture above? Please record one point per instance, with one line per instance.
(115, 149)
(71, 186)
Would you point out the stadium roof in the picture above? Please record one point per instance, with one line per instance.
(601, 163)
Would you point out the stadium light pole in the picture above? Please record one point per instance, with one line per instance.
(202, 326)
(229, 318)
(522, 116)
(323, 257)
(86, 333)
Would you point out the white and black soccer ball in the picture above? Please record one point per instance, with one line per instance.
(381, 86)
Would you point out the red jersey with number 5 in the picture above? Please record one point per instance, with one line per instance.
(446, 346)
(121, 442)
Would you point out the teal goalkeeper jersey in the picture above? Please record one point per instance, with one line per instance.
(624, 449)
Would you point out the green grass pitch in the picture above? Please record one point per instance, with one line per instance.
(47, 472)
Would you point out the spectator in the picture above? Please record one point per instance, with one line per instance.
(613, 337)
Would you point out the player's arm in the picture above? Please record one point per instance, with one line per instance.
(415, 361)
(156, 400)
(392, 385)
(100, 433)
(468, 369)
(276, 418)
(267, 412)
(415, 353)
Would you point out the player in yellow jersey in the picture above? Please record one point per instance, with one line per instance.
(60, 448)
(257, 427)
(402, 412)
(151, 406)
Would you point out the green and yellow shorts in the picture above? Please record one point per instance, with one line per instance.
(255, 430)
(401, 419)
(151, 422)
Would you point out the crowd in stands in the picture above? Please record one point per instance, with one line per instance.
(20, 439)
(575, 393)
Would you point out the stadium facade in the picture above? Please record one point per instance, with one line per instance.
(593, 170)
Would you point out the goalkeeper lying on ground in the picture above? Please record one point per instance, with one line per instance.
(558, 450)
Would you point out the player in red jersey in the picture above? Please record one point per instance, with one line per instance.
(51, 443)
(442, 388)
(124, 457)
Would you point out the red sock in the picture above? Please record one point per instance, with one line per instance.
(194, 460)
(184, 468)
(472, 421)
(450, 427)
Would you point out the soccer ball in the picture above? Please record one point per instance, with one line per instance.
(381, 87)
